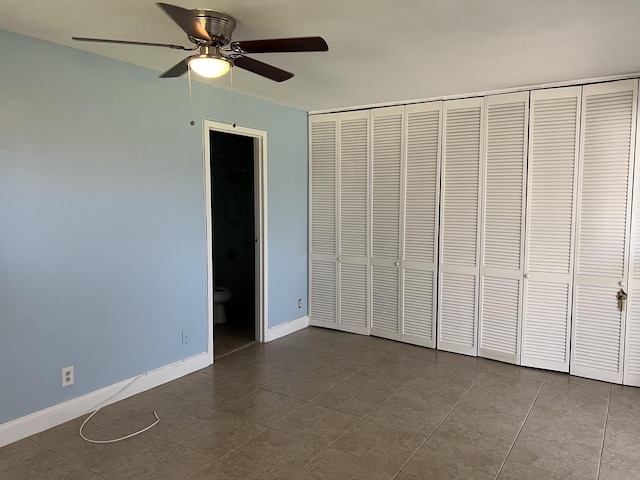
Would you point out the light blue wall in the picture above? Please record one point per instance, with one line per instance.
(102, 219)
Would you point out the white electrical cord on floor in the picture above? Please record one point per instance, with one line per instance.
(100, 407)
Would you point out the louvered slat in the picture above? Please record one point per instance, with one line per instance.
(353, 187)
(605, 177)
(387, 155)
(551, 169)
(418, 303)
(353, 296)
(323, 292)
(457, 312)
(597, 330)
(421, 185)
(504, 192)
(384, 301)
(500, 306)
(460, 195)
(545, 329)
(323, 187)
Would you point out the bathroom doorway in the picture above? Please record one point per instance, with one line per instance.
(235, 236)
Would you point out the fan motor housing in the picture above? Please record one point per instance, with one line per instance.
(220, 26)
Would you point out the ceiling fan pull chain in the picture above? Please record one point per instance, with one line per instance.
(233, 99)
(192, 122)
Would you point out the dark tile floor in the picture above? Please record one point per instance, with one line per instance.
(230, 336)
(320, 404)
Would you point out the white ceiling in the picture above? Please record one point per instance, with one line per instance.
(378, 53)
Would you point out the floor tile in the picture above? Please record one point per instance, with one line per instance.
(375, 442)
(264, 407)
(218, 434)
(165, 460)
(301, 386)
(68, 431)
(332, 465)
(318, 424)
(275, 454)
(411, 411)
(331, 369)
(516, 471)
(224, 471)
(624, 405)
(439, 459)
(492, 435)
(289, 358)
(561, 455)
(98, 457)
(315, 347)
(173, 418)
(357, 355)
(47, 465)
(355, 397)
(614, 471)
(140, 404)
(17, 452)
(622, 446)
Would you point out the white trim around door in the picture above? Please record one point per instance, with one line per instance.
(261, 237)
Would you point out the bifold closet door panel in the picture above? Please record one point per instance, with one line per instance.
(420, 233)
(550, 223)
(632, 338)
(603, 229)
(460, 220)
(387, 132)
(323, 222)
(353, 224)
(501, 270)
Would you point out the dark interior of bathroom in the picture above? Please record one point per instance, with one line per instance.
(233, 218)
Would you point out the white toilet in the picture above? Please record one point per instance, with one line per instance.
(220, 296)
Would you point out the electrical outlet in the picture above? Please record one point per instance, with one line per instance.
(186, 336)
(299, 303)
(68, 377)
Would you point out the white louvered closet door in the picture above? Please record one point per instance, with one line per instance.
(551, 197)
(387, 135)
(460, 221)
(501, 270)
(632, 338)
(353, 269)
(603, 229)
(421, 193)
(323, 221)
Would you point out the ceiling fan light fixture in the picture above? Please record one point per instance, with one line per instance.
(209, 66)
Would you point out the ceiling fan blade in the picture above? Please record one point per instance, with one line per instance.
(129, 42)
(186, 21)
(297, 44)
(269, 71)
(177, 70)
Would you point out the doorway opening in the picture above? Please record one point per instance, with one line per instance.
(234, 175)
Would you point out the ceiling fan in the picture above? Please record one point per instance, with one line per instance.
(211, 32)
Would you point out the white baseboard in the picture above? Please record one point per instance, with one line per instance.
(286, 328)
(63, 412)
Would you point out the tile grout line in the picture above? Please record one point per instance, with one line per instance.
(604, 432)
(521, 426)
(441, 422)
